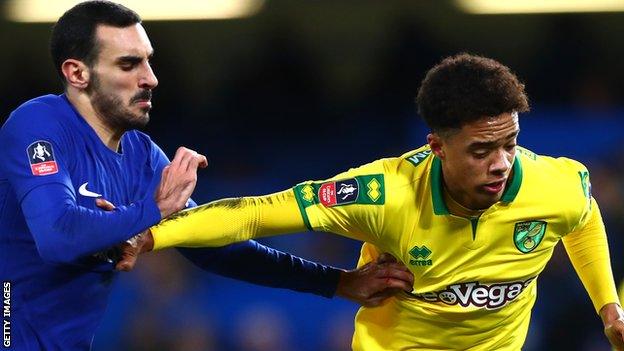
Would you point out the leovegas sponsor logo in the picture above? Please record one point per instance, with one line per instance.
(467, 294)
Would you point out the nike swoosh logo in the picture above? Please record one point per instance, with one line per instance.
(84, 192)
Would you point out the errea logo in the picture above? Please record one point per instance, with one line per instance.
(420, 255)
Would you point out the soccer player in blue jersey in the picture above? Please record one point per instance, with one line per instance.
(62, 154)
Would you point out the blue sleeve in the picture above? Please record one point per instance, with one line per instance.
(269, 267)
(63, 231)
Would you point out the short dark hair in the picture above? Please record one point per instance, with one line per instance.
(73, 35)
(465, 88)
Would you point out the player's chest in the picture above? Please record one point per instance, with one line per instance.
(112, 178)
(492, 248)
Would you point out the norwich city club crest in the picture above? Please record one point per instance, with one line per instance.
(529, 234)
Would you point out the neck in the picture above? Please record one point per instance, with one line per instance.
(458, 196)
(457, 208)
(110, 136)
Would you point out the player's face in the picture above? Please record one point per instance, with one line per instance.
(122, 79)
(477, 160)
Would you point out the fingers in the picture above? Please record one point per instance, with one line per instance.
(188, 160)
(379, 298)
(395, 270)
(104, 204)
(202, 161)
(129, 256)
(386, 258)
(393, 283)
(178, 181)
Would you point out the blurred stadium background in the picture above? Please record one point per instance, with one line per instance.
(304, 89)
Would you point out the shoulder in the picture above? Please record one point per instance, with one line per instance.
(40, 112)
(550, 168)
(43, 118)
(404, 168)
(557, 183)
(392, 174)
(409, 168)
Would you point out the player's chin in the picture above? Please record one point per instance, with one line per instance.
(139, 120)
(487, 199)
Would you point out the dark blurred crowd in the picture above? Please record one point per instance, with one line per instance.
(282, 108)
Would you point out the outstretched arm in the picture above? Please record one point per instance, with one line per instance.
(258, 264)
(589, 253)
(230, 220)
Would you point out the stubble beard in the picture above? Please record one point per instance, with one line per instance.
(114, 112)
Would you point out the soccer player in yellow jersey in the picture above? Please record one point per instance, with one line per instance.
(474, 216)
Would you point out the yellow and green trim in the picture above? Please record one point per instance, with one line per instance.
(439, 206)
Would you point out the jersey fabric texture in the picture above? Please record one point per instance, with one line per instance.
(475, 278)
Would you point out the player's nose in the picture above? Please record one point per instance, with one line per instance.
(500, 162)
(148, 79)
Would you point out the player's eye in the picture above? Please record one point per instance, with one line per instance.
(480, 153)
(127, 66)
(510, 147)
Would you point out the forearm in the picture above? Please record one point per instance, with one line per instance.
(589, 253)
(230, 220)
(255, 263)
(64, 231)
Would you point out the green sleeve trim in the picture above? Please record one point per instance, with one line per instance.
(300, 191)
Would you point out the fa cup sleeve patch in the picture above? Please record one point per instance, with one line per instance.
(41, 158)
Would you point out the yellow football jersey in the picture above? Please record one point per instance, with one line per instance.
(475, 279)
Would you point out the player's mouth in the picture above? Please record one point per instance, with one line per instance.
(494, 187)
(143, 103)
(143, 99)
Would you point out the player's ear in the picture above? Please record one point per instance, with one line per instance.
(435, 142)
(76, 73)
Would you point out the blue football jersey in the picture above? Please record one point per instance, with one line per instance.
(52, 168)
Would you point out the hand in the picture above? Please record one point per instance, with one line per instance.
(178, 181)
(374, 282)
(129, 250)
(613, 320)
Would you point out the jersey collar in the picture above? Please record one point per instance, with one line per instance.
(439, 206)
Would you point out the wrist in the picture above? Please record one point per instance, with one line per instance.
(343, 282)
(147, 241)
(610, 313)
(164, 208)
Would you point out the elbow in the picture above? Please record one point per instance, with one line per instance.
(55, 254)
